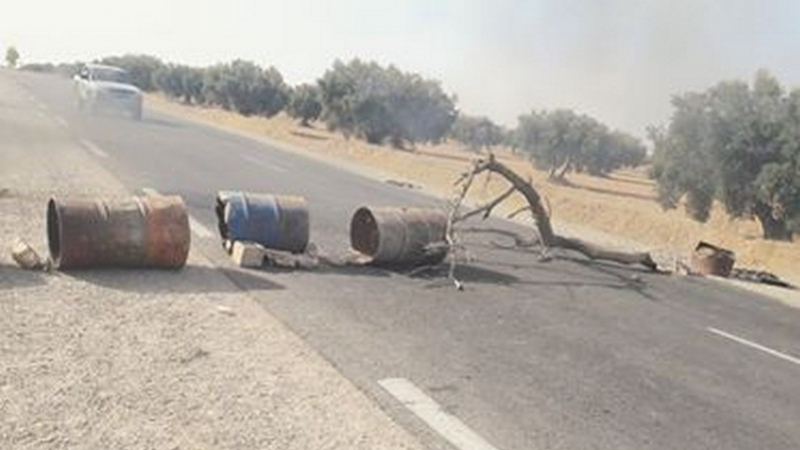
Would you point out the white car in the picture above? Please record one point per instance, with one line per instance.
(101, 87)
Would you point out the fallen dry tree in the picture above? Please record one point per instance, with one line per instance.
(547, 237)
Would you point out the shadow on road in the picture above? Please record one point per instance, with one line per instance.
(12, 277)
(469, 274)
(190, 280)
(162, 122)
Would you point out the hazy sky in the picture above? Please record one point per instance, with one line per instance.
(618, 60)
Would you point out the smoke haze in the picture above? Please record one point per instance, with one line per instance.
(618, 60)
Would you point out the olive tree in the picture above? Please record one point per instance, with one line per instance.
(383, 103)
(305, 104)
(12, 57)
(246, 88)
(477, 133)
(738, 144)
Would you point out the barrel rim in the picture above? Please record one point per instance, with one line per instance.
(364, 217)
(54, 231)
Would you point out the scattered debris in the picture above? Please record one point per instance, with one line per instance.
(402, 184)
(708, 259)
(26, 256)
(356, 258)
(247, 254)
(759, 276)
(193, 355)
(253, 255)
(681, 267)
(226, 310)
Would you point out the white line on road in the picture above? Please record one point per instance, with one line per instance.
(61, 121)
(197, 228)
(448, 426)
(264, 164)
(93, 148)
(756, 346)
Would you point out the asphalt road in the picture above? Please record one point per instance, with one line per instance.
(564, 354)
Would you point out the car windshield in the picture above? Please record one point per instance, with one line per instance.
(108, 74)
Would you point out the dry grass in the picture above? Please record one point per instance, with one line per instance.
(620, 209)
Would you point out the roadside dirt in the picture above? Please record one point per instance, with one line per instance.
(619, 210)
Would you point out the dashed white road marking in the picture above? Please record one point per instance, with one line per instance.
(93, 148)
(264, 164)
(756, 346)
(197, 228)
(62, 122)
(448, 426)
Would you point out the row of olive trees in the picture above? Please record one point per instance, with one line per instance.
(366, 100)
(561, 141)
(240, 86)
(386, 105)
(738, 144)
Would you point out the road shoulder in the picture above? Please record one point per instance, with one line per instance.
(147, 359)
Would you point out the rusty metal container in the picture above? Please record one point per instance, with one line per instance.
(400, 235)
(148, 231)
(708, 259)
(279, 222)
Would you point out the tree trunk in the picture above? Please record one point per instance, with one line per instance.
(564, 170)
(773, 229)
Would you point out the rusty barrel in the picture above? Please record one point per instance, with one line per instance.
(148, 231)
(708, 259)
(400, 235)
(280, 222)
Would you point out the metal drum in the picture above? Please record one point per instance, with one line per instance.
(400, 235)
(137, 232)
(708, 259)
(280, 222)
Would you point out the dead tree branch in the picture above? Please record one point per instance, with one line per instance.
(518, 212)
(486, 209)
(542, 219)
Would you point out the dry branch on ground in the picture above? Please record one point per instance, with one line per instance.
(541, 217)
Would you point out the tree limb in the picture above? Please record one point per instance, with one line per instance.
(542, 219)
(487, 208)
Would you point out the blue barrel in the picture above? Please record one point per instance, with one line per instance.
(278, 222)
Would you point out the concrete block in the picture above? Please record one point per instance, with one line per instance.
(247, 254)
